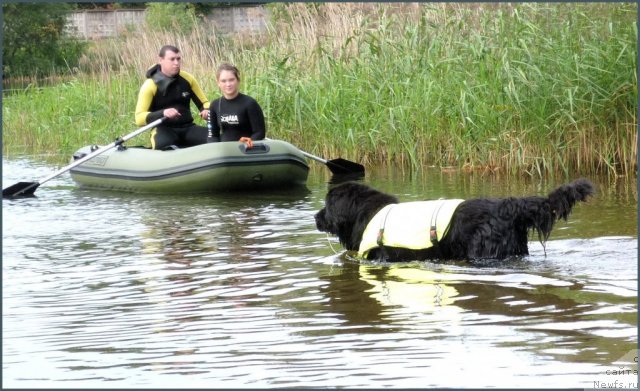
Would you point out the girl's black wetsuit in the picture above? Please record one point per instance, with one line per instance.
(238, 117)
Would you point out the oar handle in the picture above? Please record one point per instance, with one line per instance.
(307, 154)
(337, 166)
(316, 158)
(101, 150)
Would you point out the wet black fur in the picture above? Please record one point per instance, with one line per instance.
(481, 228)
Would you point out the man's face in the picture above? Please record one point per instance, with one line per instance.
(170, 63)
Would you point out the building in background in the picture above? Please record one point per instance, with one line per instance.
(104, 23)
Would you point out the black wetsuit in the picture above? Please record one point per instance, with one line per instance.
(160, 92)
(238, 117)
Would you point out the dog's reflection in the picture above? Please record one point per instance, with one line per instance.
(369, 295)
(410, 289)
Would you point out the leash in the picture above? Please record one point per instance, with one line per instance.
(330, 245)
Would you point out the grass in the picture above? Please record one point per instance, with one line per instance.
(531, 88)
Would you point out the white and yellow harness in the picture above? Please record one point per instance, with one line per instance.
(412, 225)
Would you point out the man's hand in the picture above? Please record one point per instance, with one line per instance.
(171, 113)
(248, 142)
(204, 114)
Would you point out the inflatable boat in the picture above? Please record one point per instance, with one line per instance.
(214, 167)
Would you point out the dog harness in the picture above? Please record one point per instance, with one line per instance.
(412, 225)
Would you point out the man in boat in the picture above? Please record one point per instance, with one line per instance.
(168, 92)
(235, 116)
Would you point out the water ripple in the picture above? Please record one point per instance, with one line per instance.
(222, 291)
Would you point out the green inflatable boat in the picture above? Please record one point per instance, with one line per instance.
(214, 167)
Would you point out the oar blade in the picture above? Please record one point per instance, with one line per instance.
(20, 189)
(343, 167)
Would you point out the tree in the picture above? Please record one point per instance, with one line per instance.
(34, 42)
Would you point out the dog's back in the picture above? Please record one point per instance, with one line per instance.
(497, 228)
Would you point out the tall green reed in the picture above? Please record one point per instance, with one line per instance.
(62, 118)
(533, 88)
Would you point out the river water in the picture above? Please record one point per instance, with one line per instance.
(240, 290)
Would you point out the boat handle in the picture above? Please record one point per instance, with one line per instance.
(257, 148)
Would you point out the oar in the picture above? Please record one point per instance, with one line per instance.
(23, 189)
(337, 166)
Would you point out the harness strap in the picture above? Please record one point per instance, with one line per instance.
(380, 237)
(433, 231)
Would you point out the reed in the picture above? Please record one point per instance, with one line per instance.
(533, 88)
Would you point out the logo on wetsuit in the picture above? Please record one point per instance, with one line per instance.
(231, 119)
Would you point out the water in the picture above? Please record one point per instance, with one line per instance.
(118, 290)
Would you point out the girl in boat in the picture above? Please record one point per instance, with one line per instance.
(235, 116)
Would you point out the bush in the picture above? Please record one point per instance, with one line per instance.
(34, 42)
(179, 18)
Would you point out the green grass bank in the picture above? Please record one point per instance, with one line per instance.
(528, 89)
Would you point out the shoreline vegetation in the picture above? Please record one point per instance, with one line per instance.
(521, 88)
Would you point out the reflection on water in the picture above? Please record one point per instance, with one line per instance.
(240, 290)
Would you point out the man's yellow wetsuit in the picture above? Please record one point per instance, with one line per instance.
(160, 92)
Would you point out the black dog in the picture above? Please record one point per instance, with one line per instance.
(480, 228)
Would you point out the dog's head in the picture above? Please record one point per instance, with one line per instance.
(348, 208)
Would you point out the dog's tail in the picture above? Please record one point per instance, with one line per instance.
(560, 202)
(565, 197)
